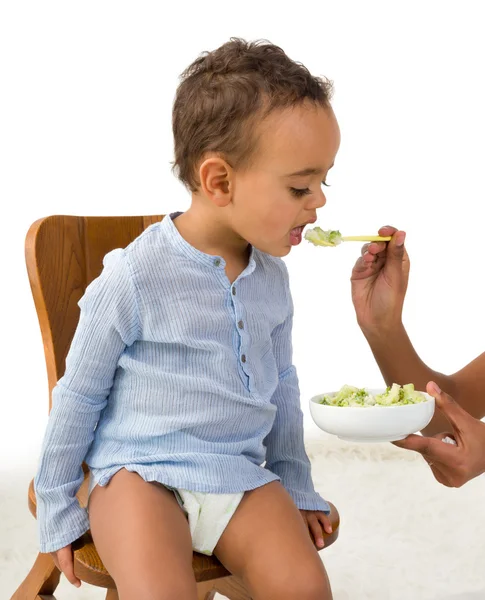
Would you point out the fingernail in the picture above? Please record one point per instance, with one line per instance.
(78, 584)
(320, 543)
(435, 388)
(449, 440)
(400, 239)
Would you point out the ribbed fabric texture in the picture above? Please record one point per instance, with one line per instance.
(177, 375)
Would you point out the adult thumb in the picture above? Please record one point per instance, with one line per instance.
(455, 414)
(395, 253)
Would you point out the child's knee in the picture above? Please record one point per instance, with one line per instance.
(304, 584)
(317, 588)
(156, 589)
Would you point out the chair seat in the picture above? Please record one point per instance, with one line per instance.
(89, 567)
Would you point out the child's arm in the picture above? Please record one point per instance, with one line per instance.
(285, 450)
(108, 322)
(379, 283)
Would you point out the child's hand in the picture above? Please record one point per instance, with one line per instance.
(315, 520)
(379, 283)
(64, 561)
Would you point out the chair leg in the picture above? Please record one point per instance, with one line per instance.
(232, 588)
(111, 594)
(42, 580)
(205, 590)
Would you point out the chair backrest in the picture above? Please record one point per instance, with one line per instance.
(63, 255)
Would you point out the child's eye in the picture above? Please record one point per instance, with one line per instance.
(299, 193)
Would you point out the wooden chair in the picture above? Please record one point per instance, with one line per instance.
(64, 254)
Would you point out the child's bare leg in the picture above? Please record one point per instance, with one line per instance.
(143, 539)
(267, 545)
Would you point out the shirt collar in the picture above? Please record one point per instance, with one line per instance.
(168, 229)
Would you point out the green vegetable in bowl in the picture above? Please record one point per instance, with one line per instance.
(393, 396)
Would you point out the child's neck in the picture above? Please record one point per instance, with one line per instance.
(205, 230)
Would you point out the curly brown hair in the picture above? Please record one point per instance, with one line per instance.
(223, 94)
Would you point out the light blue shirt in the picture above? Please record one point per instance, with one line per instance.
(177, 375)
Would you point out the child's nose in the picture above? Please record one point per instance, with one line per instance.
(318, 200)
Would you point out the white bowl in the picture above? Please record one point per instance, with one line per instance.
(372, 423)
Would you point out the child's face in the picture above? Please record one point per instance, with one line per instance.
(270, 203)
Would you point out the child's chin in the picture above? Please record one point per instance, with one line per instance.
(280, 252)
(275, 249)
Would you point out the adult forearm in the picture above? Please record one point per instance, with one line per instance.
(399, 363)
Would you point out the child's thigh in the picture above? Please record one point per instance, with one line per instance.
(143, 538)
(268, 546)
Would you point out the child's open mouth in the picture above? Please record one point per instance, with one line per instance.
(296, 235)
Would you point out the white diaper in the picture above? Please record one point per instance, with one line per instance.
(208, 516)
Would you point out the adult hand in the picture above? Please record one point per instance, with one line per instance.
(379, 283)
(452, 465)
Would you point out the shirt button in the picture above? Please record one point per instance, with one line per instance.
(233, 290)
(240, 325)
(243, 358)
(217, 262)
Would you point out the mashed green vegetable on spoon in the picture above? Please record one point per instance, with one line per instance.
(333, 238)
(393, 396)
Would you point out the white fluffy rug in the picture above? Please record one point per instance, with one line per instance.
(403, 536)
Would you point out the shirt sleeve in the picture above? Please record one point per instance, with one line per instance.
(109, 321)
(285, 449)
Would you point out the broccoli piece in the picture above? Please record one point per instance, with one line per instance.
(318, 237)
(393, 396)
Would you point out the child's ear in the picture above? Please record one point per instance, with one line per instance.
(216, 179)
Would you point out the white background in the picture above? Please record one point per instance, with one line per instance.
(85, 128)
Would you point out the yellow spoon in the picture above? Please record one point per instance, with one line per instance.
(366, 238)
(333, 238)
